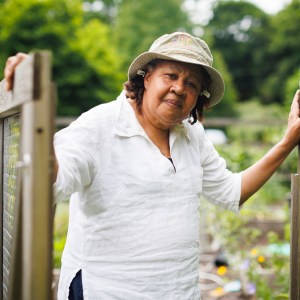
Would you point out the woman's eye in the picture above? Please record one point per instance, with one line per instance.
(191, 84)
(171, 75)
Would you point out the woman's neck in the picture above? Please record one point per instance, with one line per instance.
(158, 136)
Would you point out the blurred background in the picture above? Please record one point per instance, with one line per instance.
(255, 46)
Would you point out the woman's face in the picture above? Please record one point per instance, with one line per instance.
(171, 92)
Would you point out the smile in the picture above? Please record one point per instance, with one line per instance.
(173, 103)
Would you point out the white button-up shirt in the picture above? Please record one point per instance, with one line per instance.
(134, 217)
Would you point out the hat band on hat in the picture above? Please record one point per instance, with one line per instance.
(186, 56)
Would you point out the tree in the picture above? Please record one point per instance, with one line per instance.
(84, 66)
(139, 23)
(226, 108)
(100, 69)
(291, 84)
(36, 24)
(282, 53)
(240, 33)
(104, 10)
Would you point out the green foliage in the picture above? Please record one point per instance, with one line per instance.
(226, 108)
(278, 264)
(256, 53)
(230, 229)
(239, 156)
(259, 128)
(91, 74)
(36, 24)
(104, 10)
(267, 269)
(61, 222)
(238, 30)
(250, 260)
(259, 124)
(282, 52)
(260, 50)
(85, 65)
(292, 84)
(139, 23)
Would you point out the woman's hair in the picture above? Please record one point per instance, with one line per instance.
(135, 90)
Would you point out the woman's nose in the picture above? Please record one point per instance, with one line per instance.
(178, 87)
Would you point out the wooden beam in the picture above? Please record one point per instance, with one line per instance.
(295, 236)
(37, 139)
(1, 206)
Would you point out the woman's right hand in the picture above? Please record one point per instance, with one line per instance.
(10, 67)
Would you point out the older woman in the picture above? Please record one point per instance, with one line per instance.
(135, 168)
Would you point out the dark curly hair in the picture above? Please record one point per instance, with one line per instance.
(135, 90)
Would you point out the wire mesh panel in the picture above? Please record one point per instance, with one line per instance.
(11, 137)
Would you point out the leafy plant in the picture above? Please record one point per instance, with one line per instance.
(61, 221)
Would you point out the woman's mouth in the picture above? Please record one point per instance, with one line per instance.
(173, 103)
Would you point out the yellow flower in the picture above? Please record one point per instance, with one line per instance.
(253, 252)
(221, 270)
(219, 291)
(261, 259)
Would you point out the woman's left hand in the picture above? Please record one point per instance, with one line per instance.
(292, 135)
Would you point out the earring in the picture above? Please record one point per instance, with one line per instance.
(190, 119)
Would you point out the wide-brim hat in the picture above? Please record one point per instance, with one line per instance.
(183, 47)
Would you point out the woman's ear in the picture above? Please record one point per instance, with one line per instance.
(147, 79)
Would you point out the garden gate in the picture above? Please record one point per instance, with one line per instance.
(26, 131)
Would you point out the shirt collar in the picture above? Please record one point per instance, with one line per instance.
(127, 124)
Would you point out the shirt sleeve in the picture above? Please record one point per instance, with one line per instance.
(74, 149)
(220, 186)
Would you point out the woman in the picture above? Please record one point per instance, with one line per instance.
(135, 169)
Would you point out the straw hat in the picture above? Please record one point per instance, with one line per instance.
(181, 46)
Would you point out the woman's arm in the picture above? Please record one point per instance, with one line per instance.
(256, 176)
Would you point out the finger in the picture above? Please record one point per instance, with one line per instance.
(13, 61)
(8, 71)
(295, 111)
(10, 66)
(296, 101)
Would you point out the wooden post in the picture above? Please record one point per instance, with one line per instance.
(36, 154)
(295, 236)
